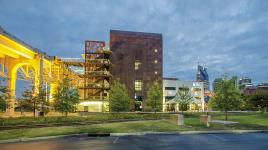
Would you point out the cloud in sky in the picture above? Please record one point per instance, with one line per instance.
(225, 35)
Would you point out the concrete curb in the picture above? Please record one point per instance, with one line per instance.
(42, 138)
(132, 134)
(191, 132)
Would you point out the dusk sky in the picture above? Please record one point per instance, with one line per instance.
(225, 35)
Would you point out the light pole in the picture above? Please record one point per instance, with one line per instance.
(154, 104)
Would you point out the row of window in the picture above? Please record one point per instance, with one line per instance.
(137, 64)
(138, 83)
(170, 88)
(174, 88)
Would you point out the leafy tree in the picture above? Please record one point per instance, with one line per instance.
(66, 97)
(33, 100)
(227, 96)
(184, 98)
(24, 104)
(3, 104)
(242, 87)
(3, 97)
(119, 98)
(258, 99)
(155, 97)
(244, 105)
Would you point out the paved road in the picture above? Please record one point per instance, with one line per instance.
(248, 141)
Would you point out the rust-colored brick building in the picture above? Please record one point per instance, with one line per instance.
(137, 62)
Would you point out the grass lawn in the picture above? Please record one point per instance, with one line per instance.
(246, 121)
(139, 126)
(254, 121)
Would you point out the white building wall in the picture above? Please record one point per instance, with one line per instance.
(167, 92)
(166, 84)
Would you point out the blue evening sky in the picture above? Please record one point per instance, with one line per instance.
(228, 36)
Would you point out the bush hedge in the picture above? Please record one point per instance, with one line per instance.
(78, 119)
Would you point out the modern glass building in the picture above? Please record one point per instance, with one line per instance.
(244, 82)
(202, 76)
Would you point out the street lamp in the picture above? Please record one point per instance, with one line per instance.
(154, 104)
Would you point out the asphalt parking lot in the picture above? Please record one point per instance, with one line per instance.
(245, 141)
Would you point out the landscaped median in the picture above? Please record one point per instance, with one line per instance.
(92, 118)
(247, 121)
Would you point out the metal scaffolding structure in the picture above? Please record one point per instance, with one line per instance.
(97, 75)
(94, 70)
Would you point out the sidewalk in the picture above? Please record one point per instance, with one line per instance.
(224, 122)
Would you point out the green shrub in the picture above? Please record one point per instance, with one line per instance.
(79, 119)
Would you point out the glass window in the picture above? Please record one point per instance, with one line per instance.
(168, 98)
(184, 88)
(138, 85)
(138, 98)
(137, 65)
(170, 88)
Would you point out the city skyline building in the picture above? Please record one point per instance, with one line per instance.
(262, 86)
(202, 76)
(245, 82)
(249, 90)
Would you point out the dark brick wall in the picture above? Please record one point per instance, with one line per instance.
(127, 47)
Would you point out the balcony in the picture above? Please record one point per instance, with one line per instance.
(97, 74)
(96, 86)
(98, 61)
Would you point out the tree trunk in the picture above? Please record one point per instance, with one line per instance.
(34, 110)
(21, 111)
(226, 115)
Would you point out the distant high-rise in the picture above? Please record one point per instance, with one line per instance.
(244, 82)
(202, 76)
(137, 62)
(263, 86)
(251, 89)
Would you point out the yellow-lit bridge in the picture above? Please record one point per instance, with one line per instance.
(19, 60)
